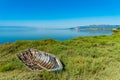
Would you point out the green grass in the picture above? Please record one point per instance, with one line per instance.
(84, 58)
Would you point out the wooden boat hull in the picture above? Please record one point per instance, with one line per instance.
(39, 60)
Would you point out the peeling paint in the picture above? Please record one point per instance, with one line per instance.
(39, 60)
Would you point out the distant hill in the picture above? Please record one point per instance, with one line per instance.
(97, 27)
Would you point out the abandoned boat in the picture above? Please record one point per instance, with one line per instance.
(39, 60)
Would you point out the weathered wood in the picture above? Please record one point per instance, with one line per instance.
(38, 60)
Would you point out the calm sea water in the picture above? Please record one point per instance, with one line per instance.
(11, 34)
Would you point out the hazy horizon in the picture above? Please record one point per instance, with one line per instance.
(62, 23)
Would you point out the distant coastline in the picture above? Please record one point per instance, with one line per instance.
(13, 33)
(96, 27)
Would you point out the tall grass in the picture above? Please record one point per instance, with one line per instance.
(83, 58)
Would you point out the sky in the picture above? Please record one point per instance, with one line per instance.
(59, 13)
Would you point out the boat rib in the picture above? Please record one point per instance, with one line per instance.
(39, 60)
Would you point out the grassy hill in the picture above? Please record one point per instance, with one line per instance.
(84, 58)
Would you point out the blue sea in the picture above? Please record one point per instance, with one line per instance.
(14, 33)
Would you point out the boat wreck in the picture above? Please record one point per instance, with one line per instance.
(39, 60)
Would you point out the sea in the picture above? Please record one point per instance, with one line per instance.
(15, 33)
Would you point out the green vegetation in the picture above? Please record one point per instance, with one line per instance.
(84, 58)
